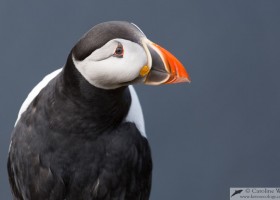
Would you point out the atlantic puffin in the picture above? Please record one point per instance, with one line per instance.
(80, 133)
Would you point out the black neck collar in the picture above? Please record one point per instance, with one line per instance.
(91, 106)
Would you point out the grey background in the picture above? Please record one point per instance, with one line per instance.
(220, 131)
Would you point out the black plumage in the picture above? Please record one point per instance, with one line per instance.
(71, 143)
(82, 137)
(104, 32)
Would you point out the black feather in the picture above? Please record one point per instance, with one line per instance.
(71, 144)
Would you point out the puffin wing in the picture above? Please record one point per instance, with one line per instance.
(47, 182)
(49, 185)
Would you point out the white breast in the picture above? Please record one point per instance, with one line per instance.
(135, 113)
(36, 90)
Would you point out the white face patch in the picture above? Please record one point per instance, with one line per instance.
(104, 70)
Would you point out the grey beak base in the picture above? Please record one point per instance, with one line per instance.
(158, 73)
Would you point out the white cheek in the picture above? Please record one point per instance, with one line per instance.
(112, 72)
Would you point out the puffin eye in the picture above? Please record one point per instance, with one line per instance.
(119, 51)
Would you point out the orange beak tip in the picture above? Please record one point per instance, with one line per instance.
(188, 80)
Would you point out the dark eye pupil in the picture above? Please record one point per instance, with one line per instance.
(119, 50)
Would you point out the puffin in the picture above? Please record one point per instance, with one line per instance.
(80, 133)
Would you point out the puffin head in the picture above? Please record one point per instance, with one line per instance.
(117, 53)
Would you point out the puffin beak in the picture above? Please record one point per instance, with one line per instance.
(165, 68)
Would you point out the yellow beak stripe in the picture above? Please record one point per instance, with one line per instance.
(144, 71)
